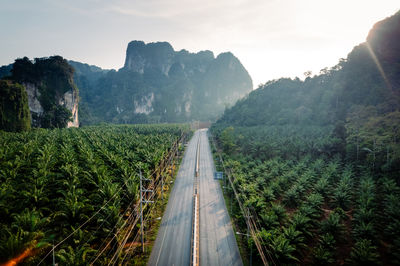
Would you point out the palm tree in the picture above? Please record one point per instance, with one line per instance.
(364, 230)
(29, 220)
(294, 236)
(16, 242)
(341, 198)
(302, 223)
(279, 211)
(71, 256)
(322, 256)
(283, 250)
(332, 225)
(364, 253)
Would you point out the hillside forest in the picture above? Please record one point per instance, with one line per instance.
(316, 163)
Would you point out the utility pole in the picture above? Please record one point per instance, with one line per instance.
(54, 257)
(251, 247)
(224, 176)
(162, 186)
(231, 202)
(141, 211)
(141, 205)
(248, 216)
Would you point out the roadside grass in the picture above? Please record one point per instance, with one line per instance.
(229, 203)
(151, 230)
(240, 239)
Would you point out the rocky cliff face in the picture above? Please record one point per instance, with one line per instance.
(144, 105)
(140, 56)
(202, 85)
(51, 92)
(161, 57)
(35, 108)
(69, 100)
(226, 80)
(159, 84)
(33, 98)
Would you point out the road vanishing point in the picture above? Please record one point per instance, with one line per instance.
(218, 245)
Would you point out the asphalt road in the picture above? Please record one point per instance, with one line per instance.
(172, 246)
(217, 240)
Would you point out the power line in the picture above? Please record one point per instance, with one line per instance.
(249, 220)
(83, 224)
(125, 222)
(155, 184)
(173, 151)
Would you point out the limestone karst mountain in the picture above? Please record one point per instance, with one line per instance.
(49, 92)
(158, 84)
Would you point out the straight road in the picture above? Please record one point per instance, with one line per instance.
(217, 240)
(173, 243)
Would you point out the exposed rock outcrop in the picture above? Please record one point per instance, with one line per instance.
(159, 84)
(35, 108)
(52, 95)
(33, 98)
(70, 101)
(144, 105)
(158, 56)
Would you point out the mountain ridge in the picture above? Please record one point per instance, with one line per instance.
(159, 84)
(359, 99)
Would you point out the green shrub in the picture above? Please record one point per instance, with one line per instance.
(14, 109)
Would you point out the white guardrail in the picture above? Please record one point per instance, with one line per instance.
(195, 259)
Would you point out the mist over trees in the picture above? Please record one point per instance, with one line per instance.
(359, 103)
(317, 162)
(158, 84)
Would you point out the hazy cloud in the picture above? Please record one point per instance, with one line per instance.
(272, 38)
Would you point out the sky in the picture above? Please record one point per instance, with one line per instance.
(272, 38)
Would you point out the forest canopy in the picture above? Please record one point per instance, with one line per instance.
(359, 99)
(316, 163)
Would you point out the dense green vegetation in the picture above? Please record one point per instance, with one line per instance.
(14, 109)
(53, 74)
(314, 208)
(83, 181)
(5, 71)
(359, 99)
(317, 162)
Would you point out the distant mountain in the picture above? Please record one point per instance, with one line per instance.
(86, 78)
(5, 71)
(158, 84)
(359, 98)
